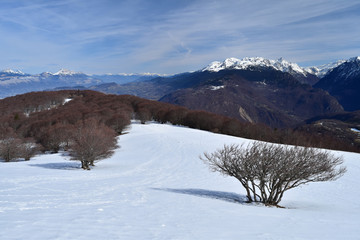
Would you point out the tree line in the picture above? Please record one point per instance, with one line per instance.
(44, 121)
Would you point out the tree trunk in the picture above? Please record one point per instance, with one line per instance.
(247, 188)
(85, 165)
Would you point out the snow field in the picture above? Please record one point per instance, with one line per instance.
(156, 187)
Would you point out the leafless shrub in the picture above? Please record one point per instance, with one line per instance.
(92, 141)
(267, 171)
(9, 148)
(13, 148)
(27, 149)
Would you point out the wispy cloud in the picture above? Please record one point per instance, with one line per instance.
(173, 36)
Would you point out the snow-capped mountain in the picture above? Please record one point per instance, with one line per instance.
(343, 82)
(14, 82)
(349, 68)
(11, 72)
(320, 71)
(344, 69)
(67, 72)
(257, 63)
(279, 64)
(248, 62)
(9, 77)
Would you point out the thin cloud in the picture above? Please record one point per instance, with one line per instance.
(171, 37)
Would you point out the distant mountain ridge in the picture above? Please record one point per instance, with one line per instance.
(13, 82)
(276, 93)
(11, 72)
(159, 86)
(8, 77)
(249, 89)
(343, 82)
(322, 70)
(309, 75)
(248, 62)
(343, 85)
(269, 96)
(279, 64)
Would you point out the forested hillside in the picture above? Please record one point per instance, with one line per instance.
(48, 120)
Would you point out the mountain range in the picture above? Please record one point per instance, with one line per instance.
(308, 75)
(277, 93)
(274, 92)
(13, 82)
(264, 96)
(343, 82)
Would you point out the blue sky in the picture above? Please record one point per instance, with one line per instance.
(170, 36)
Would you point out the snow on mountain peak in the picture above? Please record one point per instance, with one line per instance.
(245, 63)
(10, 71)
(66, 72)
(354, 59)
(350, 68)
(321, 70)
(213, 67)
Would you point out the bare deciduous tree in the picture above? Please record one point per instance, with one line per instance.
(92, 141)
(267, 171)
(28, 149)
(119, 122)
(12, 148)
(143, 114)
(9, 148)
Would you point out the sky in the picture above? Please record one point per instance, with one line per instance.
(171, 36)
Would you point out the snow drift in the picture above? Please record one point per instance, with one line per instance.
(155, 187)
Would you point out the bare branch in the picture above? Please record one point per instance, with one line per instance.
(266, 171)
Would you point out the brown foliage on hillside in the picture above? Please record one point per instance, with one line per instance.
(50, 121)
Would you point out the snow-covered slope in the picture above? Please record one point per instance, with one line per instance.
(155, 187)
(321, 70)
(246, 63)
(349, 69)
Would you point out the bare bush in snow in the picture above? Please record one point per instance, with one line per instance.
(28, 149)
(9, 148)
(267, 171)
(92, 141)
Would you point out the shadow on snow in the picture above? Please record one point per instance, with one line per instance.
(224, 196)
(59, 165)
